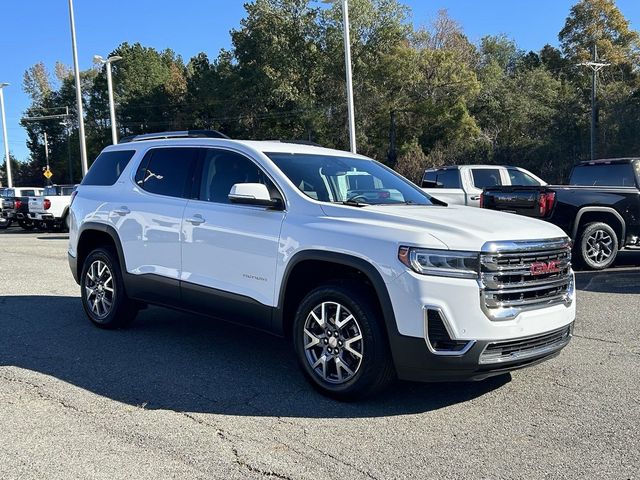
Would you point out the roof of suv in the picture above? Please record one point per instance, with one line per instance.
(264, 146)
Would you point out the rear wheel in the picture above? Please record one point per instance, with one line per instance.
(103, 296)
(598, 246)
(340, 342)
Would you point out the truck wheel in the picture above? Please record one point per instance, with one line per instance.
(598, 246)
(340, 342)
(102, 290)
(4, 223)
(26, 225)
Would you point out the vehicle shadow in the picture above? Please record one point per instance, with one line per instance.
(623, 277)
(175, 361)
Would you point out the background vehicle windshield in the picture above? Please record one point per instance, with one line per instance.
(346, 179)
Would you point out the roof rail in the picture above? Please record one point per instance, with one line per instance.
(177, 134)
(301, 142)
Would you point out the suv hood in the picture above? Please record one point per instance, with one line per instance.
(458, 227)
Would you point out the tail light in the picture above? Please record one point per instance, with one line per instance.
(482, 200)
(546, 203)
(47, 204)
(18, 204)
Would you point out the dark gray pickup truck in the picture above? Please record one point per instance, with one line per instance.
(599, 208)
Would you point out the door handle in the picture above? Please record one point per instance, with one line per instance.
(122, 211)
(475, 197)
(197, 219)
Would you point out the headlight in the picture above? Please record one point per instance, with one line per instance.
(443, 263)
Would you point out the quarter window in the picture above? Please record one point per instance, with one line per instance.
(108, 167)
(168, 171)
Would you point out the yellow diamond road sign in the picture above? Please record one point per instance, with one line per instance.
(47, 173)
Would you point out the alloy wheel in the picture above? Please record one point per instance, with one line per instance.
(333, 343)
(99, 289)
(599, 246)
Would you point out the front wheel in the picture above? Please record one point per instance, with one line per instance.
(103, 296)
(4, 223)
(598, 246)
(340, 342)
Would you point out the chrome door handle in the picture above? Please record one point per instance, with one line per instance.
(197, 219)
(475, 197)
(122, 211)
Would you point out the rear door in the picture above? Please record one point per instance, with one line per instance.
(229, 251)
(149, 220)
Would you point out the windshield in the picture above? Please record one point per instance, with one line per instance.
(346, 179)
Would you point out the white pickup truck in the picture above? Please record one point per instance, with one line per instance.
(51, 209)
(463, 184)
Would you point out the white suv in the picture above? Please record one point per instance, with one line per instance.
(369, 277)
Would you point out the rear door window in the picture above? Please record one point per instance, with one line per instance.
(606, 175)
(486, 177)
(107, 168)
(168, 171)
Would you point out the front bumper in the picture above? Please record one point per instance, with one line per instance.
(466, 324)
(415, 362)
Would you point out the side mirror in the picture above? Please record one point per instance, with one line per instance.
(253, 194)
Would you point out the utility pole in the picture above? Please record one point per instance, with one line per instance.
(46, 154)
(347, 62)
(4, 135)
(392, 154)
(595, 67)
(112, 108)
(76, 71)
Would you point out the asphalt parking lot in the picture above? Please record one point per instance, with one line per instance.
(179, 396)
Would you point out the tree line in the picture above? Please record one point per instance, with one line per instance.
(424, 96)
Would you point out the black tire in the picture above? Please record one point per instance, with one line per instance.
(375, 371)
(122, 310)
(4, 224)
(598, 246)
(27, 225)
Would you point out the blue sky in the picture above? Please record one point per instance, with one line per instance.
(34, 31)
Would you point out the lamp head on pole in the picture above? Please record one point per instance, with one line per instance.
(2, 85)
(99, 60)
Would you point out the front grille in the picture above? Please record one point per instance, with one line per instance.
(515, 276)
(521, 349)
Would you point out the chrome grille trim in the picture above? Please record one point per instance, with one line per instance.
(507, 281)
(528, 347)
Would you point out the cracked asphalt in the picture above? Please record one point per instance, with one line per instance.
(179, 396)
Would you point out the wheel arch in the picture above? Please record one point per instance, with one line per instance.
(606, 215)
(93, 234)
(289, 296)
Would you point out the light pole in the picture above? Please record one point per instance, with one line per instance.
(112, 108)
(4, 135)
(347, 62)
(76, 71)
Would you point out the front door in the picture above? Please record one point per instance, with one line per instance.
(229, 251)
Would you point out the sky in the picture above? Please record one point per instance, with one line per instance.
(38, 30)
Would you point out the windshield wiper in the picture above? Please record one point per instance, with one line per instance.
(354, 203)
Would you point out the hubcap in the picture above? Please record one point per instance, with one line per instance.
(333, 342)
(599, 246)
(99, 289)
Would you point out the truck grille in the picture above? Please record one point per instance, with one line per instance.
(516, 276)
(521, 349)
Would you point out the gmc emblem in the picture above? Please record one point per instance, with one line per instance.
(541, 268)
